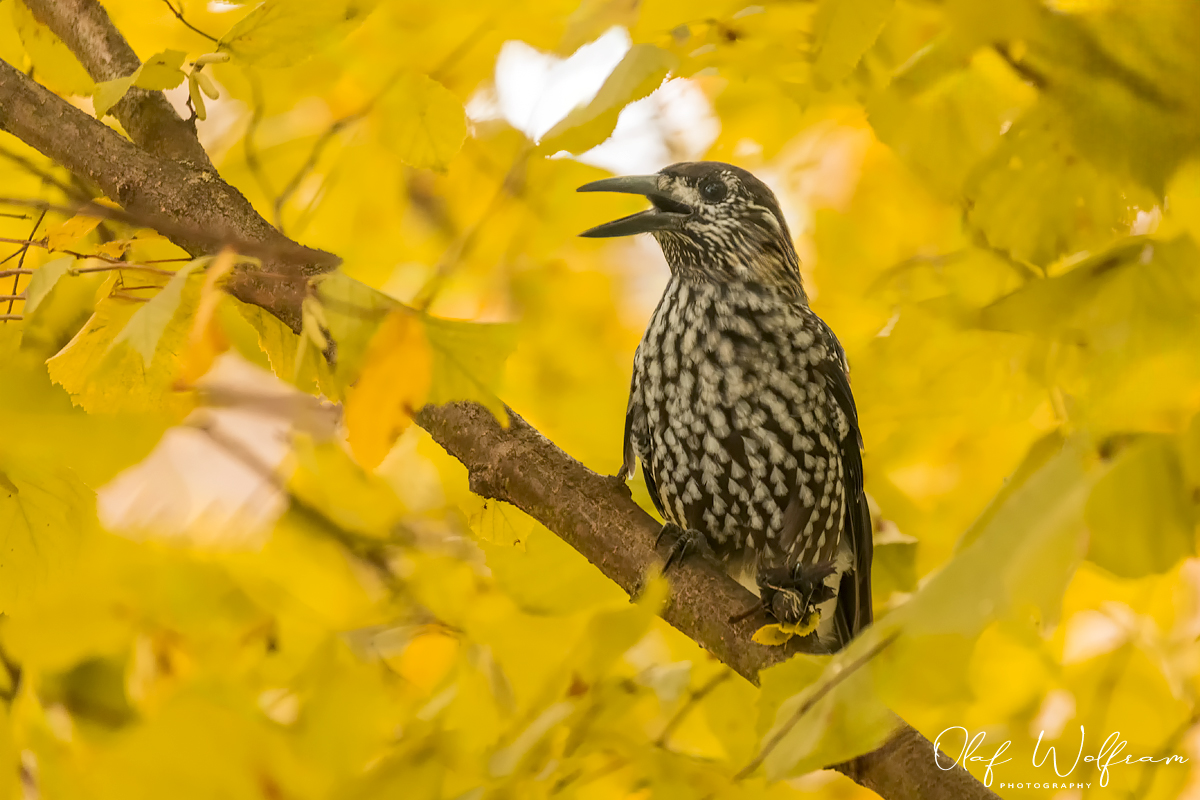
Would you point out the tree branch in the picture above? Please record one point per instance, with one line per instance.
(592, 513)
(146, 115)
(199, 210)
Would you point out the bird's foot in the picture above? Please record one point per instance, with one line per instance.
(792, 594)
(681, 543)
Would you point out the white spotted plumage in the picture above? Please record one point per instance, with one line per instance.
(740, 409)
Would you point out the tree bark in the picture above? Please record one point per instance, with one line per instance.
(591, 512)
(147, 117)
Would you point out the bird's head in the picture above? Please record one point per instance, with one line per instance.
(712, 220)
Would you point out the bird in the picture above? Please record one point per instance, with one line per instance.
(740, 409)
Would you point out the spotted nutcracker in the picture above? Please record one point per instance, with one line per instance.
(740, 409)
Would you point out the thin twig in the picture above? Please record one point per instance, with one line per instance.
(337, 126)
(692, 701)
(4, 273)
(808, 704)
(7, 317)
(322, 141)
(457, 252)
(121, 266)
(10, 298)
(179, 16)
(285, 251)
(21, 258)
(115, 263)
(311, 162)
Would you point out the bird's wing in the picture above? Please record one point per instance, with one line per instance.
(854, 594)
(635, 431)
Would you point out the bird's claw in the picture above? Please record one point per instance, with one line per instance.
(791, 594)
(682, 543)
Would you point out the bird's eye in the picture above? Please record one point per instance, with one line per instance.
(713, 190)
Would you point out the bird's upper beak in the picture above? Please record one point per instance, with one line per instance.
(668, 212)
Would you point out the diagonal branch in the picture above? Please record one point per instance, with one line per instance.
(592, 513)
(146, 115)
(197, 208)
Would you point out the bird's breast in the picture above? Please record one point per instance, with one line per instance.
(735, 419)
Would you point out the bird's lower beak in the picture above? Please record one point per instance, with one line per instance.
(668, 212)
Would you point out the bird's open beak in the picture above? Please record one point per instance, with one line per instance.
(668, 212)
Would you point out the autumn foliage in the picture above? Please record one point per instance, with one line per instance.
(232, 566)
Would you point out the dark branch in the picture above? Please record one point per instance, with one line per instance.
(195, 208)
(147, 116)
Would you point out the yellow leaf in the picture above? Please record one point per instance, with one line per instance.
(71, 231)
(206, 340)
(423, 122)
(394, 383)
(427, 659)
(44, 514)
(771, 635)
(805, 626)
(114, 249)
(279, 33)
(103, 377)
(108, 93)
(641, 71)
(778, 633)
(54, 63)
(161, 71)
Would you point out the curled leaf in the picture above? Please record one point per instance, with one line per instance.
(778, 633)
(394, 383)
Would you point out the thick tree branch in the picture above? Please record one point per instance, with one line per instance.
(595, 515)
(591, 512)
(147, 116)
(200, 209)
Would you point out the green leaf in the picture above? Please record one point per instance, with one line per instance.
(544, 575)
(281, 33)
(44, 514)
(894, 566)
(108, 93)
(161, 71)
(842, 31)
(353, 312)
(43, 280)
(326, 479)
(941, 121)
(1125, 75)
(1022, 558)
(468, 361)
(640, 72)
(1138, 514)
(1045, 305)
(423, 122)
(54, 63)
(848, 721)
(1079, 206)
(145, 328)
(102, 377)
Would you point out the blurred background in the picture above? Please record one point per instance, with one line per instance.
(997, 210)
